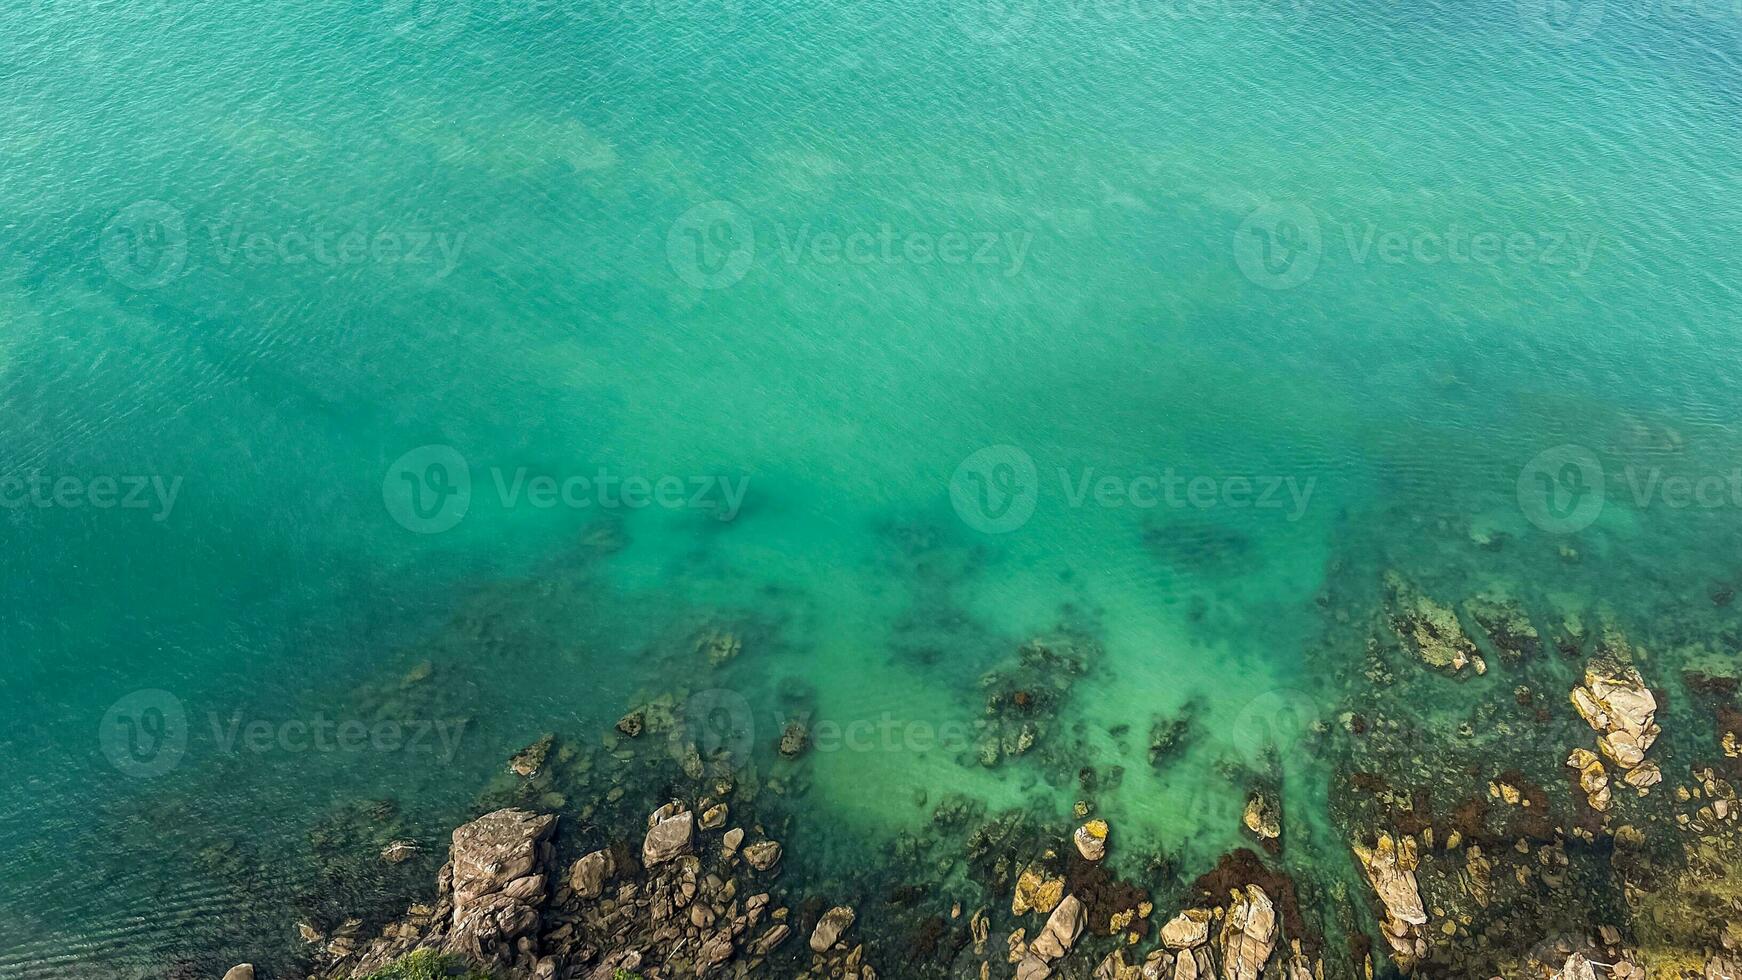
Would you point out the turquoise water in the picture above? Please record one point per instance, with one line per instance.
(854, 282)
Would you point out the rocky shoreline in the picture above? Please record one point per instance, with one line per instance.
(1513, 799)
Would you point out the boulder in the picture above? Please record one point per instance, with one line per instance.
(1091, 840)
(1390, 869)
(1061, 931)
(671, 831)
(762, 855)
(1187, 929)
(1248, 935)
(241, 971)
(1262, 818)
(1032, 967)
(588, 875)
(829, 928)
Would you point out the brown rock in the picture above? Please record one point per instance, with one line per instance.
(830, 927)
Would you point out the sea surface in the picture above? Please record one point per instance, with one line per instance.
(520, 343)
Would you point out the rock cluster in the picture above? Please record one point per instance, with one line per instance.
(1390, 866)
(503, 905)
(1429, 629)
(1618, 706)
(1248, 934)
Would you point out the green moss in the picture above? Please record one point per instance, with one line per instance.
(427, 964)
(623, 974)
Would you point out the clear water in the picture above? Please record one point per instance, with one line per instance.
(825, 255)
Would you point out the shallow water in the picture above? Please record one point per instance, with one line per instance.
(897, 275)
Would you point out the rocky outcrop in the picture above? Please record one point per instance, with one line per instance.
(1390, 869)
(1618, 706)
(1248, 934)
(1430, 630)
(498, 884)
(502, 905)
(1262, 817)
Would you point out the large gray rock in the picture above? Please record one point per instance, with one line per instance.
(588, 875)
(670, 832)
(829, 928)
(241, 971)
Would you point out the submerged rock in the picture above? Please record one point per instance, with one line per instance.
(794, 739)
(528, 761)
(1430, 630)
